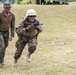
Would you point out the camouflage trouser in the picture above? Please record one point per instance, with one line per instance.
(21, 43)
(3, 45)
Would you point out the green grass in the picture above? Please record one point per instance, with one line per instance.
(56, 51)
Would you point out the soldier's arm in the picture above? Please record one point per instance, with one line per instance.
(21, 29)
(39, 28)
(12, 27)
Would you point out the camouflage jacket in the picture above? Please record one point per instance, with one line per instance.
(28, 28)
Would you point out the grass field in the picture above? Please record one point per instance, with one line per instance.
(56, 51)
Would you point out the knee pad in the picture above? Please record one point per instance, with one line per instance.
(32, 49)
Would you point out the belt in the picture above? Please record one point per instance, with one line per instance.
(3, 31)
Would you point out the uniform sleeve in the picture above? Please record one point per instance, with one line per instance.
(39, 27)
(21, 24)
(20, 28)
(12, 28)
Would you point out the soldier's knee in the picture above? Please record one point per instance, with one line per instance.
(17, 44)
(32, 49)
(2, 44)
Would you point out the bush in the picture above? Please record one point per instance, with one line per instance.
(19, 1)
(27, 2)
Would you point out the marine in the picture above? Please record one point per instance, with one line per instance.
(28, 31)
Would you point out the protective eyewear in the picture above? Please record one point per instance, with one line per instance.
(31, 16)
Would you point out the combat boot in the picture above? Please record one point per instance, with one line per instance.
(15, 63)
(28, 57)
(1, 65)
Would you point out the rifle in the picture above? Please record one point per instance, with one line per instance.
(29, 26)
(34, 24)
(30, 29)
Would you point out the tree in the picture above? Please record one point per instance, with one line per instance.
(19, 1)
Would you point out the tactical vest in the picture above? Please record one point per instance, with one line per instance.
(26, 22)
(32, 31)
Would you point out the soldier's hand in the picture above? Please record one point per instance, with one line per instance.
(10, 38)
(22, 30)
(29, 27)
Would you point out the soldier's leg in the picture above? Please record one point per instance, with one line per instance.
(31, 47)
(6, 45)
(20, 44)
(2, 50)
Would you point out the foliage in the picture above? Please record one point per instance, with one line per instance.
(34, 1)
(28, 2)
(19, 1)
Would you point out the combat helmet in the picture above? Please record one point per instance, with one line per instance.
(30, 12)
(6, 4)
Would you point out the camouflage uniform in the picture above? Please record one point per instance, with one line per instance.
(27, 37)
(5, 25)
